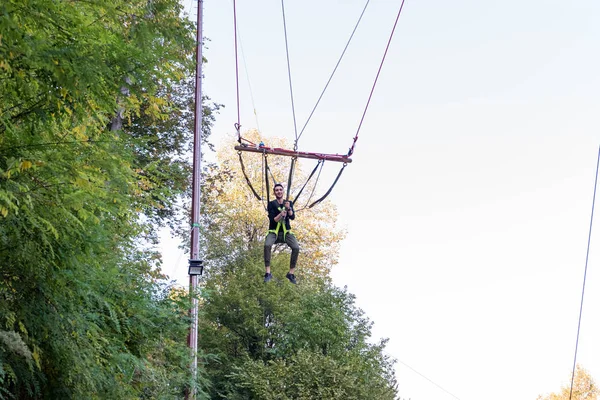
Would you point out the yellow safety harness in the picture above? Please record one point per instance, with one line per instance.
(280, 224)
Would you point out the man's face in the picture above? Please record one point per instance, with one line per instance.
(278, 192)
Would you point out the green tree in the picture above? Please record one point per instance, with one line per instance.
(283, 341)
(84, 310)
(584, 388)
(277, 340)
(162, 148)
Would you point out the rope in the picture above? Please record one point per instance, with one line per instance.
(584, 276)
(351, 150)
(287, 53)
(237, 75)
(334, 70)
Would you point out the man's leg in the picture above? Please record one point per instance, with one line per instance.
(291, 241)
(269, 242)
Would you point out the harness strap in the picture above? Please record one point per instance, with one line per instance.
(291, 177)
(267, 176)
(280, 225)
(330, 189)
(246, 176)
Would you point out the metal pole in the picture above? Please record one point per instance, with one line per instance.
(196, 177)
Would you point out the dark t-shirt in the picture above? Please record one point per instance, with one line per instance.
(273, 208)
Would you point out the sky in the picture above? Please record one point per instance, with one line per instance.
(468, 204)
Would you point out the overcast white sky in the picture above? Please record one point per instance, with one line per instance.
(468, 203)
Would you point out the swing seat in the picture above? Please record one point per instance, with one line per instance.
(321, 157)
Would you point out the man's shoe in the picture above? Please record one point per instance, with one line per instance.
(268, 277)
(291, 278)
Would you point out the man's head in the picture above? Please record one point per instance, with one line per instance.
(278, 190)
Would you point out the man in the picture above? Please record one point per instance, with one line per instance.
(280, 213)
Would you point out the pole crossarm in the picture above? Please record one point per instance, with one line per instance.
(291, 153)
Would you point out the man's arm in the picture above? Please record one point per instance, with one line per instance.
(272, 211)
(274, 214)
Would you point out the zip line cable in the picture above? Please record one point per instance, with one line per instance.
(287, 54)
(238, 42)
(189, 10)
(249, 86)
(334, 70)
(584, 275)
(376, 78)
(423, 376)
(237, 75)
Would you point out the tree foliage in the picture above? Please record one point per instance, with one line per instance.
(95, 122)
(284, 341)
(84, 310)
(278, 340)
(584, 388)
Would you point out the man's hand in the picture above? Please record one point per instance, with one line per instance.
(286, 204)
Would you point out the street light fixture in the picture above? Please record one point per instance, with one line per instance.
(196, 267)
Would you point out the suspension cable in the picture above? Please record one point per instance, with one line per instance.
(334, 70)
(287, 53)
(584, 276)
(237, 75)
(351, 150)
(249, 85)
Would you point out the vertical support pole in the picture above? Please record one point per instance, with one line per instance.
(195, 217)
